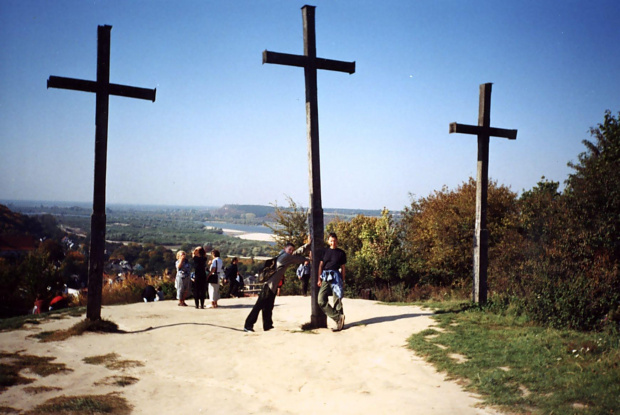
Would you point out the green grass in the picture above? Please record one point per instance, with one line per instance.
(523, 368)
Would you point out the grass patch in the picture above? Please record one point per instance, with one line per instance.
(121, 381)
(97, 326)
(111, 361)
(16, 323)
(9, 410)
(111, 403)
(524, 368)
(34, 390)
(13, 363)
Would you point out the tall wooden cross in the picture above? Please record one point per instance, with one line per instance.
(481, 234)
(103, 89)
(311, 64)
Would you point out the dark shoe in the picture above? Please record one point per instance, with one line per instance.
(268, 328)
(248, 330)
(340, 324)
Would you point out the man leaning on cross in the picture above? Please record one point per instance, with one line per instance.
(332, 273)
(265, 302)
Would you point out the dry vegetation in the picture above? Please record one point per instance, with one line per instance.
(12, 364)
(112, 403)
(112, 362)
(98, 326)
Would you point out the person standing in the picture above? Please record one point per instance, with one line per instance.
(267, 296)
(38, 305)
(331, 281)
(230, 275)
(214, 277)
(200, 276)
(182, 279)
(240, 285)
(303, 273)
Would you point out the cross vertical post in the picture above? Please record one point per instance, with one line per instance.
(103, 89)
(481, 234)
(311, 63)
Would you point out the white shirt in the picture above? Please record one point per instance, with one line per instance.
(217, 264)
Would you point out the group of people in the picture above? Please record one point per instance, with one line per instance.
(207, 275)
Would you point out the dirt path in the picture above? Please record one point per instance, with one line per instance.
(201, 361)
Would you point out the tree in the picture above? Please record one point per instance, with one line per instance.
(541, 210)
(593, 190)
(373, 247)
(74, 264)
(40, 277)
(562, 268)
(531, 245)
(54, 251)
(438, 231)
(290, 224)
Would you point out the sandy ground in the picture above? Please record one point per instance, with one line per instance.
(251, 236)
(201, 362)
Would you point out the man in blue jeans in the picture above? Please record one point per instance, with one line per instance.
(331, 281)
(267, 295)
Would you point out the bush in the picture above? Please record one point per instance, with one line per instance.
(129, 290)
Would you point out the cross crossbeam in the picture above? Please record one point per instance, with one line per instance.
(481, 234)
(102, 89)
(484, 131)
(92, 86)
(311, 63)
(306, 61)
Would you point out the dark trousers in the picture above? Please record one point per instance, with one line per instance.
(264, 303)
(304, 284)
(234, 288)
(200, 291)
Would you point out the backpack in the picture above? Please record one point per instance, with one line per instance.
(268, 269)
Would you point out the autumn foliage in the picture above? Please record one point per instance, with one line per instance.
(554, 255)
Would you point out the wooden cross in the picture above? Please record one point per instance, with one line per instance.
(103, 89)
(311, 63)
(481, 235)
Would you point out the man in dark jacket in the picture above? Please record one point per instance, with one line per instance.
(267, 295)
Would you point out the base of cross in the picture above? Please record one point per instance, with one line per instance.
(316, 322)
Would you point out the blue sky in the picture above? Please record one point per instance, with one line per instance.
(227, 129)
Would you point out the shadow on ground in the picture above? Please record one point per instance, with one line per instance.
(180, 324)
(378, 320)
